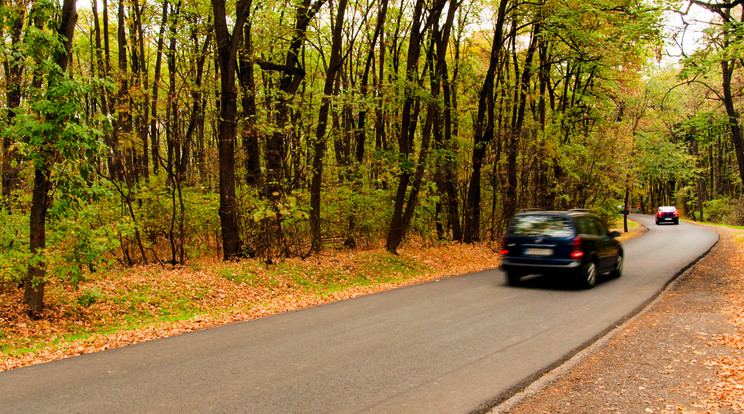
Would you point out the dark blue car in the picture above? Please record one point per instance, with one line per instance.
(573, 244)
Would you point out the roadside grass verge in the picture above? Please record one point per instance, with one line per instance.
(728, 226)
(618, 224)
(134, 305)
(707, 223)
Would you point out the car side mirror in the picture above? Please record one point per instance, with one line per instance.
(614, 234)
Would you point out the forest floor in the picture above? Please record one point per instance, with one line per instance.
(127, 306)
(698, 323)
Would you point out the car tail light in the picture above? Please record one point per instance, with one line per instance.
(658, 213)
(503, 249)
(676, 213)
(577, 252)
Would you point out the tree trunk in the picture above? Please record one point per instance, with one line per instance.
(396, 230)
(253, 175)
(13, 74)
(699, 183)
(292, 77)
(361, 132)
(123, 127)
(334, 64)
(516, 133)
(172, 108)
(290, 82)
(625, 205)
(140, 75)
(155, 142)
(727, 69)
(443, 130)
(484, 130)
(403, 210)
(197, 112)
(380, 130)
(33, 295)
(227, 47)
(723, 10)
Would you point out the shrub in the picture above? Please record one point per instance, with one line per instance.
(717, 210)
(14, 256)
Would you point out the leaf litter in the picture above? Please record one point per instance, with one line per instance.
(128, 306)
(729, 390)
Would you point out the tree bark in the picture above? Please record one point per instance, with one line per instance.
(484, 132)
(172, 109)
(253, 174)
(154, 140)
(727, 69)
(516, 133)
(403, 210)
(408, 122)
(288, 85)
(33, 294)
(276, 151)
(445, 173)
(123, 127)
(334, 64)
(227, 47)
(13, 74)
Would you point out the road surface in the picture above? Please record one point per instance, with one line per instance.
(459, 345)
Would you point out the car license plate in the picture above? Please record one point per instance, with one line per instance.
(538, 251)
(667, 219)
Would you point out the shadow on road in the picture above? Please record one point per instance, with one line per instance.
(555, 282)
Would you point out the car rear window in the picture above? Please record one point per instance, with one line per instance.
(543, 225)
(667, 209)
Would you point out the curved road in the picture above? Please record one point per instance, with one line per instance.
(458, 345)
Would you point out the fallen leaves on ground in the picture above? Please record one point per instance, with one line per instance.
(136, 305)
(730, 369)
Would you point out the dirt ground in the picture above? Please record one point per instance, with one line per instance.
(683, 354)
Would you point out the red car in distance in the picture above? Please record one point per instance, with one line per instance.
(667, 214)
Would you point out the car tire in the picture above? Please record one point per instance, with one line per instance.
(617, 271)
(588, 275)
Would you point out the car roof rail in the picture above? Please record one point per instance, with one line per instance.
(528, 210)
(580, 210)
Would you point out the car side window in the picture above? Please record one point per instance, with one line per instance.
(593, 230)
(583, 226)
(600, 227)
(590, 226)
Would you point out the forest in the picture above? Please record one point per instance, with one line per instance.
(163, 132)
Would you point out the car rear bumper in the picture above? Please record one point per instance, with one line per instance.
(508, 264)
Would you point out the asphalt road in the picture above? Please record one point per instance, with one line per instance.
(454, 346)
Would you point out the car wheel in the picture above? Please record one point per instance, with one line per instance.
(617, 271)
(588, 276)
(513, 278)
(657, 222)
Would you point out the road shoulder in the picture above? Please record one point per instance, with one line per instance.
(681, 354)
